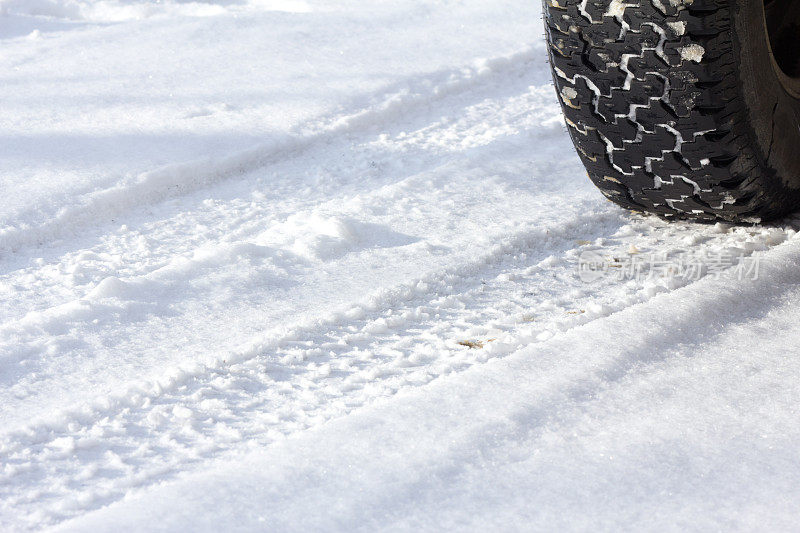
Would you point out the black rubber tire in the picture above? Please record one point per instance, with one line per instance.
(679, 107)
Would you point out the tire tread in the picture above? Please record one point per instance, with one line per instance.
(656, 131)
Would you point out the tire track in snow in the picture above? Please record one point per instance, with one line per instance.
(567, 415)
(57, 323)
(314, 372)
(29, 456)
(180, 179)
(239, 220)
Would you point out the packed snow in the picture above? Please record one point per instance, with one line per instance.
(291, 265)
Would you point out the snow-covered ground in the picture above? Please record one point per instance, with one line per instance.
(315, 264)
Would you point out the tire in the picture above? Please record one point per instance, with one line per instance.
(685, 109)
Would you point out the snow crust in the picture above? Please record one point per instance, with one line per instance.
(291, 265)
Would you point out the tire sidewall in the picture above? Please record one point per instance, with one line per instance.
(773, 111)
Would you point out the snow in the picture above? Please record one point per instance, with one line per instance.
(280, 265)
(693, 52)
(588, 434)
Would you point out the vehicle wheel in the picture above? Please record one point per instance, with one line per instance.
(686, 109)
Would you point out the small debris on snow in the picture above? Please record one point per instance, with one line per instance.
(475, 345)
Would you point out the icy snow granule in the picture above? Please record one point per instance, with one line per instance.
(693, 52)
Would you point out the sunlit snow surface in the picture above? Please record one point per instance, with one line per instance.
(291, 265)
